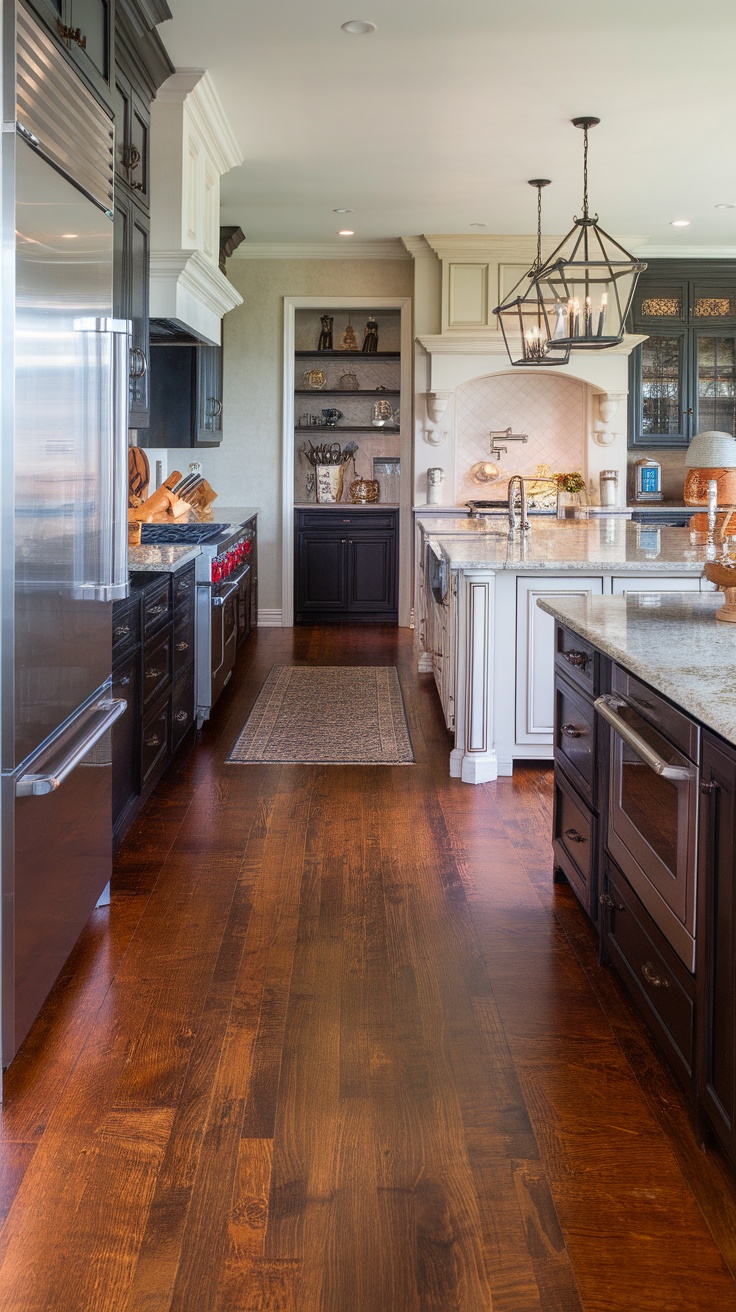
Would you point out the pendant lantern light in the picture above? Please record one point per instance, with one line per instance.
(522, 317)
(587, 284)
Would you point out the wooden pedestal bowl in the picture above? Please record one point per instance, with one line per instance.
(724, 576)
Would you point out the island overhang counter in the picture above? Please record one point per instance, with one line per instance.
(491, 647)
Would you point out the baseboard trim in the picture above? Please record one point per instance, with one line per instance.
(269, 619)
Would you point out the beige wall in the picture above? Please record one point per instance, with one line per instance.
(246, 470)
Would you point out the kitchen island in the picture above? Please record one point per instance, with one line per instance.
(488, 643)
(644, 823)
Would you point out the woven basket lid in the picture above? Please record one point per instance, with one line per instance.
(711, 450)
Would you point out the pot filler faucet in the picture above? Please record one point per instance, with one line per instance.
(507, 436)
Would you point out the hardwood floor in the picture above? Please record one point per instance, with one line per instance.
(340, 1045)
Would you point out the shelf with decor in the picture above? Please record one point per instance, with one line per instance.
(348, 355)
(346, 391)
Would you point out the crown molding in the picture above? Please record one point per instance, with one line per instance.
(492, 343)
(419, 248)
(333, 250)
(189, 288)
(194, 88)
(500, 247)
(685, 252)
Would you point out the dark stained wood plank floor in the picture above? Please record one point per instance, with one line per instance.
(339, 1045)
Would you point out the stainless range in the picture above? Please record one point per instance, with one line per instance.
(221, 574)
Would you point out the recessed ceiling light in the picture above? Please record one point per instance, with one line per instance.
(358, 27)
(342, 211)
(346, 232)
(679, 223)
(70, 235)
(724, 205)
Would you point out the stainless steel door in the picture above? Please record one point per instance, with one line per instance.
(67, 420)
(59, 805)
(652, 820)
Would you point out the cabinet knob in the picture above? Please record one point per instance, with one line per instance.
(153, 674)
(570, 731)
(651, 977)
(155, 610)
(709, 786)
(574, 836)
(182, 646)
(153, 741)
(181, 716)
(124, 681)
(577, 658)
(607, 901)
(121, 630)
(71, 34)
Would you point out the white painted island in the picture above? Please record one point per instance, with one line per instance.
(490, 646)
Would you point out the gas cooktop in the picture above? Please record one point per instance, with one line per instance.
(183, 534)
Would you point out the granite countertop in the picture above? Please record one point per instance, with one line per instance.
(152, 559)
(607, 545)
(671, 640)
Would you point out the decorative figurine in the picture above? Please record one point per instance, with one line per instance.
(325, 337)
(348, 341)
(370, 341)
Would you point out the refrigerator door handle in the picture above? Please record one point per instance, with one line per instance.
(104, 714)
(113, 583)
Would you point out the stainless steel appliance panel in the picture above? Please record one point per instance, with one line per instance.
(65, 416)
(652, 821)
(59, 803)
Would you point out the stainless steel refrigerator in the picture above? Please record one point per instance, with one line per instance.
(64, 514)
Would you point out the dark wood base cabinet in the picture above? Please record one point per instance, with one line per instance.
(346, 565)
(153, 669)
(691, 1017)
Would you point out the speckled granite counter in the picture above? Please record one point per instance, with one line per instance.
(609, 545)
(670, 640)
(152, 559)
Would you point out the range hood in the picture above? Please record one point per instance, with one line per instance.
(192, 146)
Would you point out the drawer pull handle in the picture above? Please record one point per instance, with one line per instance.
(71, 34)
(642, 701)
(577, 658)
(153, 741)
(651, 977)
(153, 674)
(570, 731)
(181, 716)
(607, 901)
(183, 587)
(121, 630)
(156, 610)
(124, 681)
(182, 646)
(709, 786)
(574, 836)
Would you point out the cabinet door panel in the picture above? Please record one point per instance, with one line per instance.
(660, 302)
(535, 653)
(139, 342)
(209, 395)
(642, 584)
(322, 572)
(661, 405)
(715, 381)
(126, 738)
(138, 135)
(372, 572)
(92, 17)
(121, 258)
(121, 103)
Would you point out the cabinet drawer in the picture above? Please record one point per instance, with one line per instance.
(183, 588)
(183, 639)
(575, 736)
(343, 519)
(156, 605)
(577, 658)
(182, 706)
(574, 840)
(661, 988)
(126, 626)
(156, 666)
(155, 740)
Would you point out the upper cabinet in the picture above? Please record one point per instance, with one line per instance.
(85, 30)
(192, 145)
(683, 378)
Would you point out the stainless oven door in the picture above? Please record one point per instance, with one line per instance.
(224, 635)
(652, 821)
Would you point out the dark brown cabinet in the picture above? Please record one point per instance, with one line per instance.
(84, 30)
(131, 268)
(185, 395)
(716, 960)
(683, 377)
(346, 565)
(153, 669)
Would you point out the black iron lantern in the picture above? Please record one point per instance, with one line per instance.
(522, 317)
(587, 285)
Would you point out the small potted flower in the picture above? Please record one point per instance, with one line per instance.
(569, 488)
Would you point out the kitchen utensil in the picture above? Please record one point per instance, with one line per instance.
(139, 474)
(330, 416)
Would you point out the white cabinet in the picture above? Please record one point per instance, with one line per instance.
(651, 583)
(442, 633)
(535, 653)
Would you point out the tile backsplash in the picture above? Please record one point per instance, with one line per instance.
(551, 410)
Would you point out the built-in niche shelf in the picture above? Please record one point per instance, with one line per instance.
(349, 355)
(345, 391)
(347, 428)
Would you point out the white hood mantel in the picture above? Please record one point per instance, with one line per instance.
(456, 358)
(192, 145)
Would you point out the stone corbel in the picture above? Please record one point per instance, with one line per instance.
(608, 404)
(435, 430)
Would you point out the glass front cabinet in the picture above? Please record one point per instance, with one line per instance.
(683, 377)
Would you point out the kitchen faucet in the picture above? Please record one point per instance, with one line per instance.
(524, 524)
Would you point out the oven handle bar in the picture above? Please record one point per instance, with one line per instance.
(607, 707)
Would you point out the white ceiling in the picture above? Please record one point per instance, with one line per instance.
(437, 120)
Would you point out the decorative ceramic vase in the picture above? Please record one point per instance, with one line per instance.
(569, 505)
(364, 491)
(349, 383)
(315, 379)
(381, 413)
(696, 486)
(329, 482)
(331, 416)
